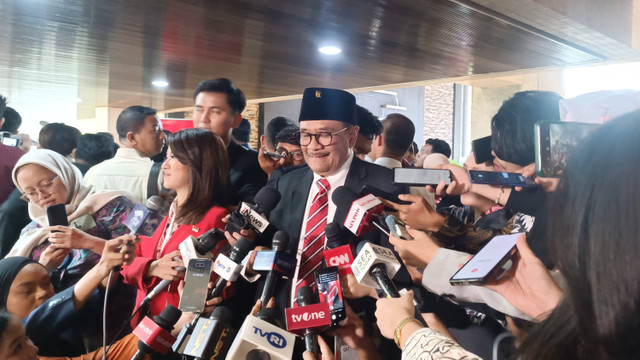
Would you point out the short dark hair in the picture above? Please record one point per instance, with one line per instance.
(398, 131)
(59, 137)
(94, 148)
(12, 120)
(206, 156)
(132, 119)
(243, 131)
(414, 148)
(368, 123)
(235, 97)
(275, 126)
(3, 106)
(289, 135)
(439, 146)
(512, 127)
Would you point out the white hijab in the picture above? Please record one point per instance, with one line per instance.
(81, 200)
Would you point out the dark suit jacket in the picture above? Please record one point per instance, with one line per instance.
(245, 173)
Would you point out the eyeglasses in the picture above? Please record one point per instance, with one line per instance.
(44, 189)
(324, 138)
(295, 155)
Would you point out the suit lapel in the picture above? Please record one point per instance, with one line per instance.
(299, 196)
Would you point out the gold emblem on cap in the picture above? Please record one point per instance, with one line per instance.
(318, 94)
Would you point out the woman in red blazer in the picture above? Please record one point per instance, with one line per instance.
(197, 169)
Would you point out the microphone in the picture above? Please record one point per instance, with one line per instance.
(308, 318)
(211, 336)
(261, 338)
(248, 216)
(144, 220)
(277, 262)
(374, 266)
(200, 247)
(155, 335)
(229, 267)
(362, 211)
(339, 251)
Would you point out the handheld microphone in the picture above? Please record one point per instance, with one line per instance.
(144, 220)
(339, 251)
(229, 267)
(374, 266)
(211, 336)
(282, 264)
(308, 318)
(200, 247)
(155, 335)
(362, 211)
(254, 216)
(261, 338)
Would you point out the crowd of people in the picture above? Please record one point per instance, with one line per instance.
(76, 290)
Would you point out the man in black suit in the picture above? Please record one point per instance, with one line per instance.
(218, 107)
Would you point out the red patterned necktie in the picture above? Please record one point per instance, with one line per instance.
(314, 236)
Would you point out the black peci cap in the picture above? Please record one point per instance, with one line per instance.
(328, 104)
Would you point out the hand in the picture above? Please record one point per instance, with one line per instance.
(417, 252)
(258, 306)
(390, 312)
(325, 352)
(267, 164)
(249, 265)
(460, 182)
(546, 184)
(418, 215)
(527, 285)
(209, 305)
(69, 238)
(128, 248)
(164, 267)
(52, 257)
(351, 329)
(351, 289)
(111, 256)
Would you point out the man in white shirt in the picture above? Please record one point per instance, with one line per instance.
(141, 137)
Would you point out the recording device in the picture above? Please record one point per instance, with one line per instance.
(420, 177)
(155, 335)
(196, 281)
(274, 155)
(144, 220)
(200, 247)
(309, 318)
(212, 336)
(362, 210)
(554, 141)
(367, 189)
(487, 261)
(339, 252)
(281, 264)
(374, 266)
(482, 150)
(11, 140)
(57, 215)
(500, 178)
(260, 338)
(397, 227)
(229, 267)
(330, 292)
(254, 216)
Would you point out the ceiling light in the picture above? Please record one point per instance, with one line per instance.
(330, 50)
(160, 83)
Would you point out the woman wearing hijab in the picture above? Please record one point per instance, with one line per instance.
(56, 323)
(46, 178)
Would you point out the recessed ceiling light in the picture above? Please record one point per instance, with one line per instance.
(330, 50)
(160, 83)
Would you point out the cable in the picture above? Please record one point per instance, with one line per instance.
(104, 317)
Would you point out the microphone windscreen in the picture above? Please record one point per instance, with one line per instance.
(280, 241)
(240, 249)
(168, 317)
(305, 296)
(333, 234)
(209, 240)
(155, 203)
(223, 314)
(267, 198)
(343, 197)
(271, 315)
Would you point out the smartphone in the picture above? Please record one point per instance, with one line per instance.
(11, 141)
(500, 178)
(57, 215)
(482, 150)
(554, 142)
(484, 264)
(367, 189)
(329, 291)
(196, 280)
(381, 226)
(273, 154)
(420, 177)
(397, 227)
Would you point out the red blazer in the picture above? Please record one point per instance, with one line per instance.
(134, 274)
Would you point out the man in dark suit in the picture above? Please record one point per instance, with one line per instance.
(218, 107)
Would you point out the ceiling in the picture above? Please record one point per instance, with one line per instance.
(62, 59)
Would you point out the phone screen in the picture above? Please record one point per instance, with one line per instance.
(329, 291)
(420, 177)
(491, 256)
(196, 280)
(500, 178)
(9, 141)
(554, 142)
(482, 149)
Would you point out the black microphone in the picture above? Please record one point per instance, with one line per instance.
(145, 219)
(372, 266)
(228, 267)
(304, 297)
(211, 336)
(254, 216)
(155, 336)
(279, 245)
(362, 210)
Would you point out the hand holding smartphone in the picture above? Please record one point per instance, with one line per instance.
(420, 177)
